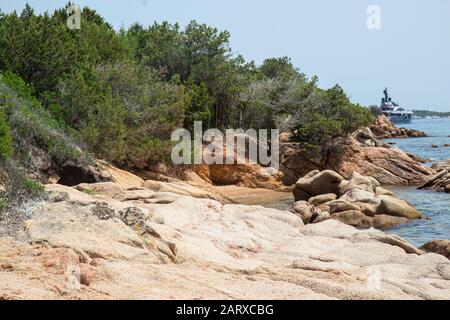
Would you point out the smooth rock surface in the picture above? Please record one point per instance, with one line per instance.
(180, 247)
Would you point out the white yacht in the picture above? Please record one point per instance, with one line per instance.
(393, 111)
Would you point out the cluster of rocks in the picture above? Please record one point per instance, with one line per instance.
(384, 129)
(359, 201)
(441, 181)
(361, 152)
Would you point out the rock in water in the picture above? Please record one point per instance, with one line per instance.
(359, 202)
(321, 199)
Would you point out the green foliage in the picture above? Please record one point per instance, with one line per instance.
(33, 187)
(296, 104)
(328, 115)
(6, 147)
(18, 187)
(274, 68)
(42, 50)
(121, 94)
(4, 203)
(89, 191)
(375, 110)
(89, 107)
(198, 55)
(200, 104)
(153, 108)
(31, 124)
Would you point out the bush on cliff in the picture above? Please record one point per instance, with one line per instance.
(32, 125)
(295, 104)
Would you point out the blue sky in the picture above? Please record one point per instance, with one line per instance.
(410, 53)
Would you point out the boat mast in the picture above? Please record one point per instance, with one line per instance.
(386, 96)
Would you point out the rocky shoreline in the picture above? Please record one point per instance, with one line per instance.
(382, 128)
(163, 236)
(91, 244)
(362, 152)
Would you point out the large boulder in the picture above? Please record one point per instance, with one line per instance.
(370, 208)
(388, 165)
(382, 191)
(358, 195)
(322, 216)
(383, 221)
(398, 207)
(373, 205)
(323, 182)
(358, 181)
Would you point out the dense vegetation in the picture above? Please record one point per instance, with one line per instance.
(120, 94)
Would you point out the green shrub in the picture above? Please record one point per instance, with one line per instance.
(89, 191)
(32, 125)
(3, 204)
(6, 147)
(18, 187)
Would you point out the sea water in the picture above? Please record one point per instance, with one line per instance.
(434, 205)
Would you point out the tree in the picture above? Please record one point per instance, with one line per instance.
(97, 116)
(273, 68)
(153, 108)
(198, 55)
(200, 102)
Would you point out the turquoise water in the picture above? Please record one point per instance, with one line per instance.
(435, 205)
(438, 131)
